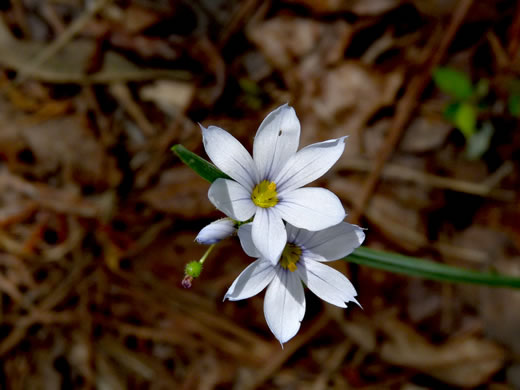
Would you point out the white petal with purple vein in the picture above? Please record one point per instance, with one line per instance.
(276, 141)
(308, 164)
(232, 199)
(327, 283)
(284, 305)
(311, 208)
(269, 235)
(251, 281)
(228, 154)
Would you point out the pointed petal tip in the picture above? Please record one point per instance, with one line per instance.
(357, 303)
(204, 242)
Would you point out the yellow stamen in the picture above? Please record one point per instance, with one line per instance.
(264, 194)
(290, 256)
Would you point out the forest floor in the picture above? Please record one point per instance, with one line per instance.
(98, 217)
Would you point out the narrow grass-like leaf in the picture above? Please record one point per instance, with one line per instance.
(391, 262)
(203, 168)
(428, 269)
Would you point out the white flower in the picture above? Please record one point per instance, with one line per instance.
(216, 231)
(301, 261)
(267, 186)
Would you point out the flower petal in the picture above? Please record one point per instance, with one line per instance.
(269, 236)
(276, 141)
(308, 164)
(251, 281)
(216, 231)
(284, 305)
(327, 283)
(232, 199)
(329, 244)
(246, 240)
(230, 156)
(311, 208)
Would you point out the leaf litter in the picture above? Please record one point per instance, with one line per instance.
(97, 217)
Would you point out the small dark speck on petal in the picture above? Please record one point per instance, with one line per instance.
(280, 133)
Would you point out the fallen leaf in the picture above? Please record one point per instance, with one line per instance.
(59, 143)
(180, 192)
(169, 95)
(284, 41)
(70, 64)
(397, 222)
(424, 134)
(360, 7)
(465, 361)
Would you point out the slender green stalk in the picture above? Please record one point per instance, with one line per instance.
(413, 266)
(391, 262)
(206, 254)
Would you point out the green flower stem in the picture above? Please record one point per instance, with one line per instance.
(413, 266)
(205, 256)
(391, 262)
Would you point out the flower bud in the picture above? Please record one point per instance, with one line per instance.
(193, 269)
(216, 231)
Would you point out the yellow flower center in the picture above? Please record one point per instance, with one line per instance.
(264, 194)
(290, 256)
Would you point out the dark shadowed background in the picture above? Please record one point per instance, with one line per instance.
(98, 217)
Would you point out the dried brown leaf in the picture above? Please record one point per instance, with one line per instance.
(467, 361)
(360, 7)
(424, 134)
(180, 192)
(71, 63)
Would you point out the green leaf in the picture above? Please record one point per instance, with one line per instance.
(249, 86)
(451, 110)
(513, 103)
(203, 168)
(373, 258)
(482, 88)
(466, 119)
(453, 82)
(479, 143)
(428, 269)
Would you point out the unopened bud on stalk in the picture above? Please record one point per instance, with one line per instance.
(193, 269)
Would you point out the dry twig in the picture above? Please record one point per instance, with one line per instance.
(407, 105)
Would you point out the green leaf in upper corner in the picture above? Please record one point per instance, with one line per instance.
(203, 168)
(513, 103)
(453, 82)
(466, 119)
(479, 143)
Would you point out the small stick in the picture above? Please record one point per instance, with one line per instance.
(514, 34)
(63, 39)
(406, 107)
(277, 359)
(398, 172)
